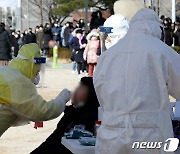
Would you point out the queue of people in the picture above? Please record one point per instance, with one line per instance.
(171, 31)
(5, 46)
(65, 36)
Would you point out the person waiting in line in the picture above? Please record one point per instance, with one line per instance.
(47, 38)
(5, 46)
(92, 51)
(40, 37)
(71, 45)
(79, 44)
(30, 37)
(67, 32)
(84, 110)
(56, 30)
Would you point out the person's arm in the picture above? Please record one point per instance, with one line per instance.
(86, 52)
(173, 80)
(8, 39)
(54, 140)
(62, 33)
(27, 103)
(76, 45)
(99, 49)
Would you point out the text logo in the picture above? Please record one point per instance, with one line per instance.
(170, 145)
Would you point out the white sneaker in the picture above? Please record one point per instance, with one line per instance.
(73, 72)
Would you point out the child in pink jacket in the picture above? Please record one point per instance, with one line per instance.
(92, 51)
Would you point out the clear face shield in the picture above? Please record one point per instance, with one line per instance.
(104, 31)
(39, 61)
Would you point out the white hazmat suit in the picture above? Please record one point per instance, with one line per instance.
(133, 81)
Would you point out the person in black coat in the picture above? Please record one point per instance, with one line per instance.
(83, 111)
(30, 37)
(177, 35)
(5, 45)
(96, 20)
(47, 38)
(168, 33)
(67, 32)
(15, 39)
(78, 44)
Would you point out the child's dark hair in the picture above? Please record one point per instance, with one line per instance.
(79, 31)
(92, 101)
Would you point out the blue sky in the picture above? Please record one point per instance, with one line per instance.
(8, 3)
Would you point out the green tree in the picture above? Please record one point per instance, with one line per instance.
(65, 7)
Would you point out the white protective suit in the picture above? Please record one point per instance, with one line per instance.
(133, 80)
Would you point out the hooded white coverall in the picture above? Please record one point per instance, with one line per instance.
(19, 100)
(133, 81)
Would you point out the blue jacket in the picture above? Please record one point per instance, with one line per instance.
(56, 33)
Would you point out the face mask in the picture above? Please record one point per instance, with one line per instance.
(55, 25)
(37, 79)
(79, 105)
(78, 35)
(113, 40)
(94, 38)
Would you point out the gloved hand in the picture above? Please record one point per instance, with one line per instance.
(62, 99)
(65, 95)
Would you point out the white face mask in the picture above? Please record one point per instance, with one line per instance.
(79, 105)
(37, 79)
(113, 39)
(78, 35)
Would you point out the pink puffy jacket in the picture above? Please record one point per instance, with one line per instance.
(91, 50)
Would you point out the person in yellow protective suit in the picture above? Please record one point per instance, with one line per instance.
(18, 96)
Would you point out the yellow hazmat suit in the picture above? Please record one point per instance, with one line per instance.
(18, 95)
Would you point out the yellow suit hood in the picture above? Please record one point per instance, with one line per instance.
(27, 67)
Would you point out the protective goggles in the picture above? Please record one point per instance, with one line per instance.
(39, 60)
(106, 30)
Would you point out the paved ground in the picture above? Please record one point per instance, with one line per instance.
(22, 140)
